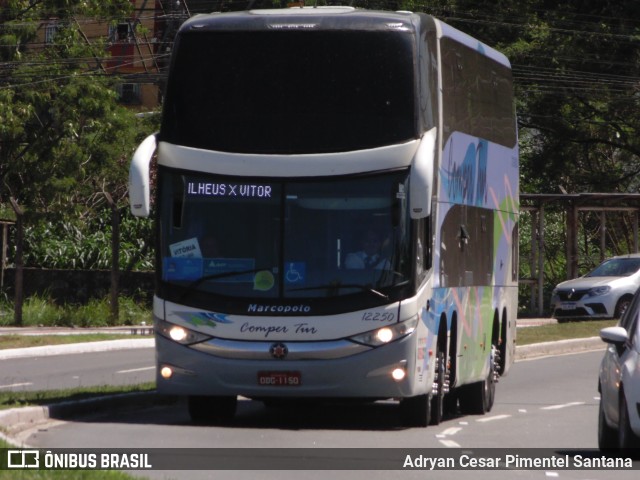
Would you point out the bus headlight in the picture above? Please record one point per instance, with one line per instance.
(179, 334)
(386, 334)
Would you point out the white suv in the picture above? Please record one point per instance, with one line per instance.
(605, 292)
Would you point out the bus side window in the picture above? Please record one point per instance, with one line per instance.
(423, 241)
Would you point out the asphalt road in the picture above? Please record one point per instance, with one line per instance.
(549, 402)
(112, 367)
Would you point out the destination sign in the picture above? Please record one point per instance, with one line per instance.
(241, 190)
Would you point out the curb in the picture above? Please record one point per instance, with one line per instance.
(561, 347)
(17, 420)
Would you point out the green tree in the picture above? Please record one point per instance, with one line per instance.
(64, 138)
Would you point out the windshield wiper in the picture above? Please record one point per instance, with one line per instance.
(339, 286)
(193, 285)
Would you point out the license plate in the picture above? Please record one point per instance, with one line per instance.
(568, 306)
(280, 379)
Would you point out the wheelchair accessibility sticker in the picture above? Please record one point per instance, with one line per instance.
(295, 273)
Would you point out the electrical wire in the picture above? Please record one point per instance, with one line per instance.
(527, 77)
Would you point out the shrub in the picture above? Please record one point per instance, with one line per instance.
(43, 311)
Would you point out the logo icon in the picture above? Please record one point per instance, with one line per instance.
(278, 350)
(23, 459)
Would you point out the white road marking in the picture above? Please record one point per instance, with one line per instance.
(551, 474)
(451, 431)
(491, 419)
(450, 443)
(564, 405)
(13, 385)
(143, 369)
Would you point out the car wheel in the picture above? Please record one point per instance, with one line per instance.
(607, 436)
(627, 440)
(622, 306)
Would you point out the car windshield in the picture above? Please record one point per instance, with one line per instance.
(616, 267)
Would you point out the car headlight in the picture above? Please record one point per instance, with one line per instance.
(179, 334)
(595, 291)
(386, 334)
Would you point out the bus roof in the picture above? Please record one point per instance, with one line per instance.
(301, 19)
(445, 30)
(309, 18)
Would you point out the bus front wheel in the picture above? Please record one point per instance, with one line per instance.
(416, 411)
(211, 410)
(440, 388)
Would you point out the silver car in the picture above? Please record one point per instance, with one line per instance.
(619, 384)
(605, 292)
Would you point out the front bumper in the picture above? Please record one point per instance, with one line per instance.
(587, 307)
(595, 311)
(362, 375)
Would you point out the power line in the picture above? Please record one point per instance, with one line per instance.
(526, 76)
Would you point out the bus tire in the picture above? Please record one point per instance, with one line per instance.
(439, 388)
(416, 411)
(211, 410)
(478, 398)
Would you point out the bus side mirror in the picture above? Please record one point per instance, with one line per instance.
(421, 181)
(139, 183)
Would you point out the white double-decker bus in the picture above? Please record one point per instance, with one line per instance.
(336, 210)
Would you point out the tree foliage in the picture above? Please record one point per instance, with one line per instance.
(577, 72)
(64, 138)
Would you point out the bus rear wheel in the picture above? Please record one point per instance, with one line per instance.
(478, 398)
(211, 410)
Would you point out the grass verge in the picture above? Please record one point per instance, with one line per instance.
(25, 398)
(562, 331)
(21, 399)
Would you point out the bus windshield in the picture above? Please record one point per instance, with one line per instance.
(234, 237)
(291, 91)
